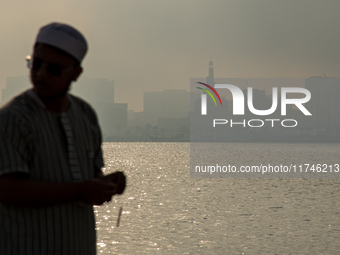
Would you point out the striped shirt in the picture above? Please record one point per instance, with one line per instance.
(34, 141)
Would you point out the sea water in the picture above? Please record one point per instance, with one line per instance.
(167, 212)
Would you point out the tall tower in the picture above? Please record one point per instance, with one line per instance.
(210, 78)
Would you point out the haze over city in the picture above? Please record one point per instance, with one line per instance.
(248, 167)
(157, 45)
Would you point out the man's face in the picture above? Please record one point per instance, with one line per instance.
(47, 85)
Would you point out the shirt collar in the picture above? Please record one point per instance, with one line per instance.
(31, 93)
(35, 97)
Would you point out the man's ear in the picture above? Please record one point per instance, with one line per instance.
(77, 73)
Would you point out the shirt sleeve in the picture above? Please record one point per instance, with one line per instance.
(14, 151)
(98, 155)
(98, 161)
(96, 133)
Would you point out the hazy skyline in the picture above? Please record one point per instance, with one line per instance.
(156, 45)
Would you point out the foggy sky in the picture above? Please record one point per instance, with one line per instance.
(146, 45)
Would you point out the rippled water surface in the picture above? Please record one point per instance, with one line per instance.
(167, 212)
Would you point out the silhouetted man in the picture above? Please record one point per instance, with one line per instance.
(51, 157)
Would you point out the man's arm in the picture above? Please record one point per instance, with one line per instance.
(98, 173)
(30, 192)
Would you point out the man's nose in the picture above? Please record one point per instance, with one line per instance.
(43, 70)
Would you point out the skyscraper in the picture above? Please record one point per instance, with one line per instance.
(210, 78)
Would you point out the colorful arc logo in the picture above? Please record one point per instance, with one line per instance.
(207, 91)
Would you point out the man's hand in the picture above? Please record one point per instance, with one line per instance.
(28, 192)
(96, 191)
(119, 179)
(100, 190)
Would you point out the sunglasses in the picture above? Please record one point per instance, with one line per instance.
(52, 68)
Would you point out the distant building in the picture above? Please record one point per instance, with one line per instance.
(169, 103)
(173, 125)
(14, 86)
(137, 119)
(112, 118)
(94, 90)
(324, 104)
(130, 117)
(210, 79)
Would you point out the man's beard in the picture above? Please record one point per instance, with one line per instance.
(55, 97)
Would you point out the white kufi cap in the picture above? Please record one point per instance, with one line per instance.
(63, 37)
